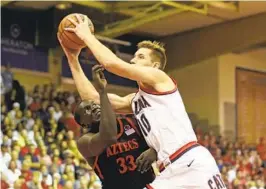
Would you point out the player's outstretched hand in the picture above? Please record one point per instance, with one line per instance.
(82, 27)
(145, 160)
(70, 53)
(98, 78)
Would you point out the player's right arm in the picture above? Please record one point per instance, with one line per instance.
(88, 92)
(86, 89)
(91, 144)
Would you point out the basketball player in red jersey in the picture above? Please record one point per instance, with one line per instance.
(113, 143)
(158, 108)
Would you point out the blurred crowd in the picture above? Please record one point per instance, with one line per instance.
(38, 148)
(242, 166)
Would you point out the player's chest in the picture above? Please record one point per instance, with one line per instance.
(122, 147)
(140, 103)
(121, 157)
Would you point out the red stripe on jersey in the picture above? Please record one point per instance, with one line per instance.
(153, 92)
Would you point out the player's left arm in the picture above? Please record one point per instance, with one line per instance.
(93, 144)
(112, 63)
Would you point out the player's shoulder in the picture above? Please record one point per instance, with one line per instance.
(166, 81)
(165, 76)
(160, 76)
(131, 95)
(129, 99)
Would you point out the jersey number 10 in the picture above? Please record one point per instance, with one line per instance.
(144, 124)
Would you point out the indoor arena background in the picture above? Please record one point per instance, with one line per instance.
(216, 52)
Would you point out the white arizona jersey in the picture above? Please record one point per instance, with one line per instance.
(163, 121)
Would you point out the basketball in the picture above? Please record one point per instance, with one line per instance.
(70, 39)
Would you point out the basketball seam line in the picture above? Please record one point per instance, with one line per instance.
(62, 27)
(71, 39)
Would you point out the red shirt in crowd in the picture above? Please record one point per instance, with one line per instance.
(261, 148)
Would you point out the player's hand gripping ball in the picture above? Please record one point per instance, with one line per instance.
(66, 30)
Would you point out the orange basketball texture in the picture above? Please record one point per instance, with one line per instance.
(70, 39)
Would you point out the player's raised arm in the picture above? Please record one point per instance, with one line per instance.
(86, 89)
(93, 144)
(139, 70)
(120, 104)
(133, 70)
(88, 92)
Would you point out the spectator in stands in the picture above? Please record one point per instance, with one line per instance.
(44, 158)
(44, 115)
(7, 139)
(36, 90)
(35, 182)
(45, 176)
(34, 153)
(18, 118)
(231, 174)
(15, 109)
(12, 173)
(81, 183)
(56, 114)
(17, 94)
(28, 120)
(3, 114)
(54, 170)
(5, 156)
(19, 137)
(7, 78)
(68, 162)
(14, 157)
(69, 184)
(70, 98)
(25, 171)
(20, 184)
(71, 124)
(261, 149)
(64, 146)
(36, 104)
(77, 101)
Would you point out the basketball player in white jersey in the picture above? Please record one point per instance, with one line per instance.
(159, 109)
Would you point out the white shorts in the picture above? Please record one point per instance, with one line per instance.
(196, 169)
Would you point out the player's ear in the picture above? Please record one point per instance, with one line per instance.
(156, 65)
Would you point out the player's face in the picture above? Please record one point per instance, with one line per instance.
(89, 114)
(143, 57)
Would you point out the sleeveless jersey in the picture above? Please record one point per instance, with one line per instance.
(116, 165)
(163, 121)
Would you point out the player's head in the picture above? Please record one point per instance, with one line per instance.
(150, 54)
(87, 113)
